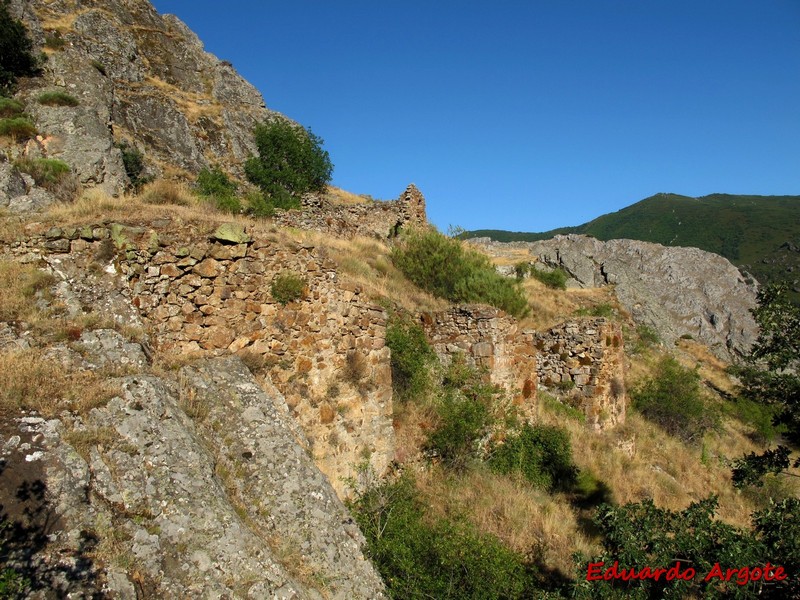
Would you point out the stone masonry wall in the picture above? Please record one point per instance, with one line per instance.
(203, 292)
(587, 356)
(488, 338)
(372, 219)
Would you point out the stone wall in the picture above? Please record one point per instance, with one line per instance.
(205, 293)
(488, 338)
(372, 219)
(587, 358)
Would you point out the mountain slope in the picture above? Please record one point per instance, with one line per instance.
(759, 234)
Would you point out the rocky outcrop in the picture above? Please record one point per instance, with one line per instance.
(189, 489)
(677, 291)
(140, 78)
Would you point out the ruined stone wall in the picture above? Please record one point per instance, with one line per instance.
(587, 358)
(372, 219)
(325, 352)
(488, 338)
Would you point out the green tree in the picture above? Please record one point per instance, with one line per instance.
(16, 59)
(771, 376)
(290, 162)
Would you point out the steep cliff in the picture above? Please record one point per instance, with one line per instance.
(141, 79)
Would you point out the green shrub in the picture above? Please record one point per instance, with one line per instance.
(290, 162)
(216, 186)
(53, 175)
(672, 399)
(445, 268)
(412, 358)
(54, 41)
(443, 559)
(57, 98)
(258, 205)
(541, 454)
(556, 279)
(287, 287)
(464, 410)
(758, 416)
(19, 128)
(133, 161)
(16, 59)
(10, 108)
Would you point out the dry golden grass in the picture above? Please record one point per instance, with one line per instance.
(366, 262)
(164, 191)
(193, 105)
(339, 196)
(662, 467)
(711, 368)
(530, 522)
(19, 285)
(31, 381)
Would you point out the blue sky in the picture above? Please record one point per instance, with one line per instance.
(528, 115)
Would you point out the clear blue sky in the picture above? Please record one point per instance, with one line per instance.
(528, 115)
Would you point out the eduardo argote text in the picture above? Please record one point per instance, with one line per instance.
(598, 571)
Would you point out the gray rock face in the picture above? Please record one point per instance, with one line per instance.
(195, 489)
(142, 78)
(677, 291)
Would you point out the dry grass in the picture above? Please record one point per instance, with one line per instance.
(365, 262)
(194, 106)
(339, 196)
(19, 287)
(164, 191)
(31, 381)
(530, 522)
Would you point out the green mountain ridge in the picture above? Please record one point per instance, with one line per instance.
(759, 234)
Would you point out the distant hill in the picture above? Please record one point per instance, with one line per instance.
(759, 234)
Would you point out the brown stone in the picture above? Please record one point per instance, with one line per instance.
(170, 270)
(218, 337)
(208, 268)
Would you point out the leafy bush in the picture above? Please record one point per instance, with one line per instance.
(672, 399)
(10, 108)
(16, 59)
(53, 175)
(258, 205)
(445, 268)
(133, 161)
(19, 128)
(287, 287)
(641, 535)
(411, 358)
(443, 559)
(57, 98)
(290, 162)
(217, 187)
(465, 415)
(556, 279)
(541, 454)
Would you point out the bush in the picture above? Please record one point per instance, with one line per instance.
(19, 128)
(10, 108)
(53, 175)
(423, 558)
(465, 414)
(16, 59)
(411, 358)
(672, 399)
(258, 205)
(445, 268)
(290, 162)
(541, 454)
(216, 186)
(133, 160)
(165, 192)
(57, 98)
(287, 287)
(556, 279)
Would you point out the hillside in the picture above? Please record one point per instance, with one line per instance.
(333, 401)
(759, 234)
